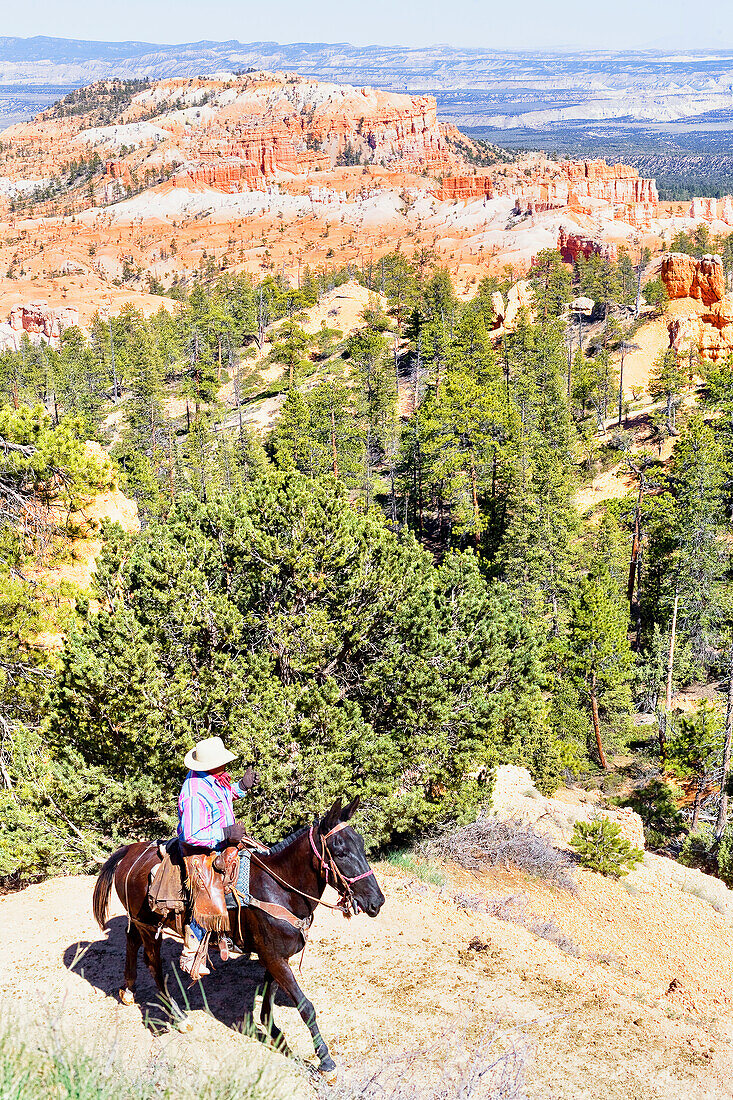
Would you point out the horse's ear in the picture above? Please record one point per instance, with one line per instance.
(348, 811)
(331, 817)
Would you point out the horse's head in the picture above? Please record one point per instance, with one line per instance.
(345, 861)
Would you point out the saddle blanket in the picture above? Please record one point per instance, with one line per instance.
(241, 885)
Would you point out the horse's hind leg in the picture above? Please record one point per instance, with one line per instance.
(151, 943)
(267, 1018)
(134, 942)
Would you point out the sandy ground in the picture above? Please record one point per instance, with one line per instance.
(651, 338)
(643, 1010)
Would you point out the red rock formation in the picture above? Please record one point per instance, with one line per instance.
(709, 210)
(573, 245)
(591, 187)
(38, 320)
(704, 209)
(228, 174)
(709, 324)
(686, 277)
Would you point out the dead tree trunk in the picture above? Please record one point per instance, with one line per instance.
(672, 639)
(722, 819)
(597, 721)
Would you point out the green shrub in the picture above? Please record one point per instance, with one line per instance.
(407, 861)
(328, 651)
(697, 850)
(601, 847)
(656, 805)
(725, 856)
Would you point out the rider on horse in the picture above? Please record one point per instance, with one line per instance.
(206, 817)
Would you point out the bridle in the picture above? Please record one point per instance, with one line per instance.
(334, 877)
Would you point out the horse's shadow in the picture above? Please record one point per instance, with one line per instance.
(228, 994)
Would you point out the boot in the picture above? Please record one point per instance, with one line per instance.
(191, 948)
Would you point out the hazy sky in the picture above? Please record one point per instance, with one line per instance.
(528, 24)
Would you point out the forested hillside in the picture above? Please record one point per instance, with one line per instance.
(389, 591)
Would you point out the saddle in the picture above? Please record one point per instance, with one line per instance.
(196, 881)
(207, 885)
(208, 876)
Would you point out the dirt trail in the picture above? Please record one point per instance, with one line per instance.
(603, 1024)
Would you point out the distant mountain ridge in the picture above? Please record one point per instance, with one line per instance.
(482, 88)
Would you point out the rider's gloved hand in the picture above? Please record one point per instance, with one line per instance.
(234, 834)
(249, 779)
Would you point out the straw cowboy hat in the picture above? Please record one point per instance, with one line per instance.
(208, 754)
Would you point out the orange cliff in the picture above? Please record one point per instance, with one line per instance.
(461, 188)
(615, 191)
(702, 311)
(236, 132)
(402, 131)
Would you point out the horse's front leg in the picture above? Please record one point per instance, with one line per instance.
(283, 975)
(267, 1018)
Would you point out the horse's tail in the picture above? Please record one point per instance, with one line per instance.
(103, 885)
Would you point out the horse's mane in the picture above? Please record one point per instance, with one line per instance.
(287, 841)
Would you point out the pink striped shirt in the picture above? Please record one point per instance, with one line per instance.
(205, 808)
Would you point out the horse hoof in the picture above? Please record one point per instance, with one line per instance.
(127, 997)
(329, 1074)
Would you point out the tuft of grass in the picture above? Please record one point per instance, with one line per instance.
(488, 842)
(41, 1061)
(413, 864)
(448, 1069)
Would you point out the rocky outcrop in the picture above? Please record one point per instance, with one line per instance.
(708, 324)
(460, 188)
(38, 322)
(228, 174)
(276, 123)
(613, 191)
(709, 210)
(572, 246)
(506, 313)
(686, 277)
(516, 798)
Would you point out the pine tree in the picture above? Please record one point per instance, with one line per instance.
(145, 409)
(551, 282)
(289, 348)
(598, 656)
(694, 750)
(668, 382)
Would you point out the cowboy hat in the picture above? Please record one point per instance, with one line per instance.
(208, 754)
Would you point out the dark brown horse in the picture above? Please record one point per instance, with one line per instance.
(293, 875)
